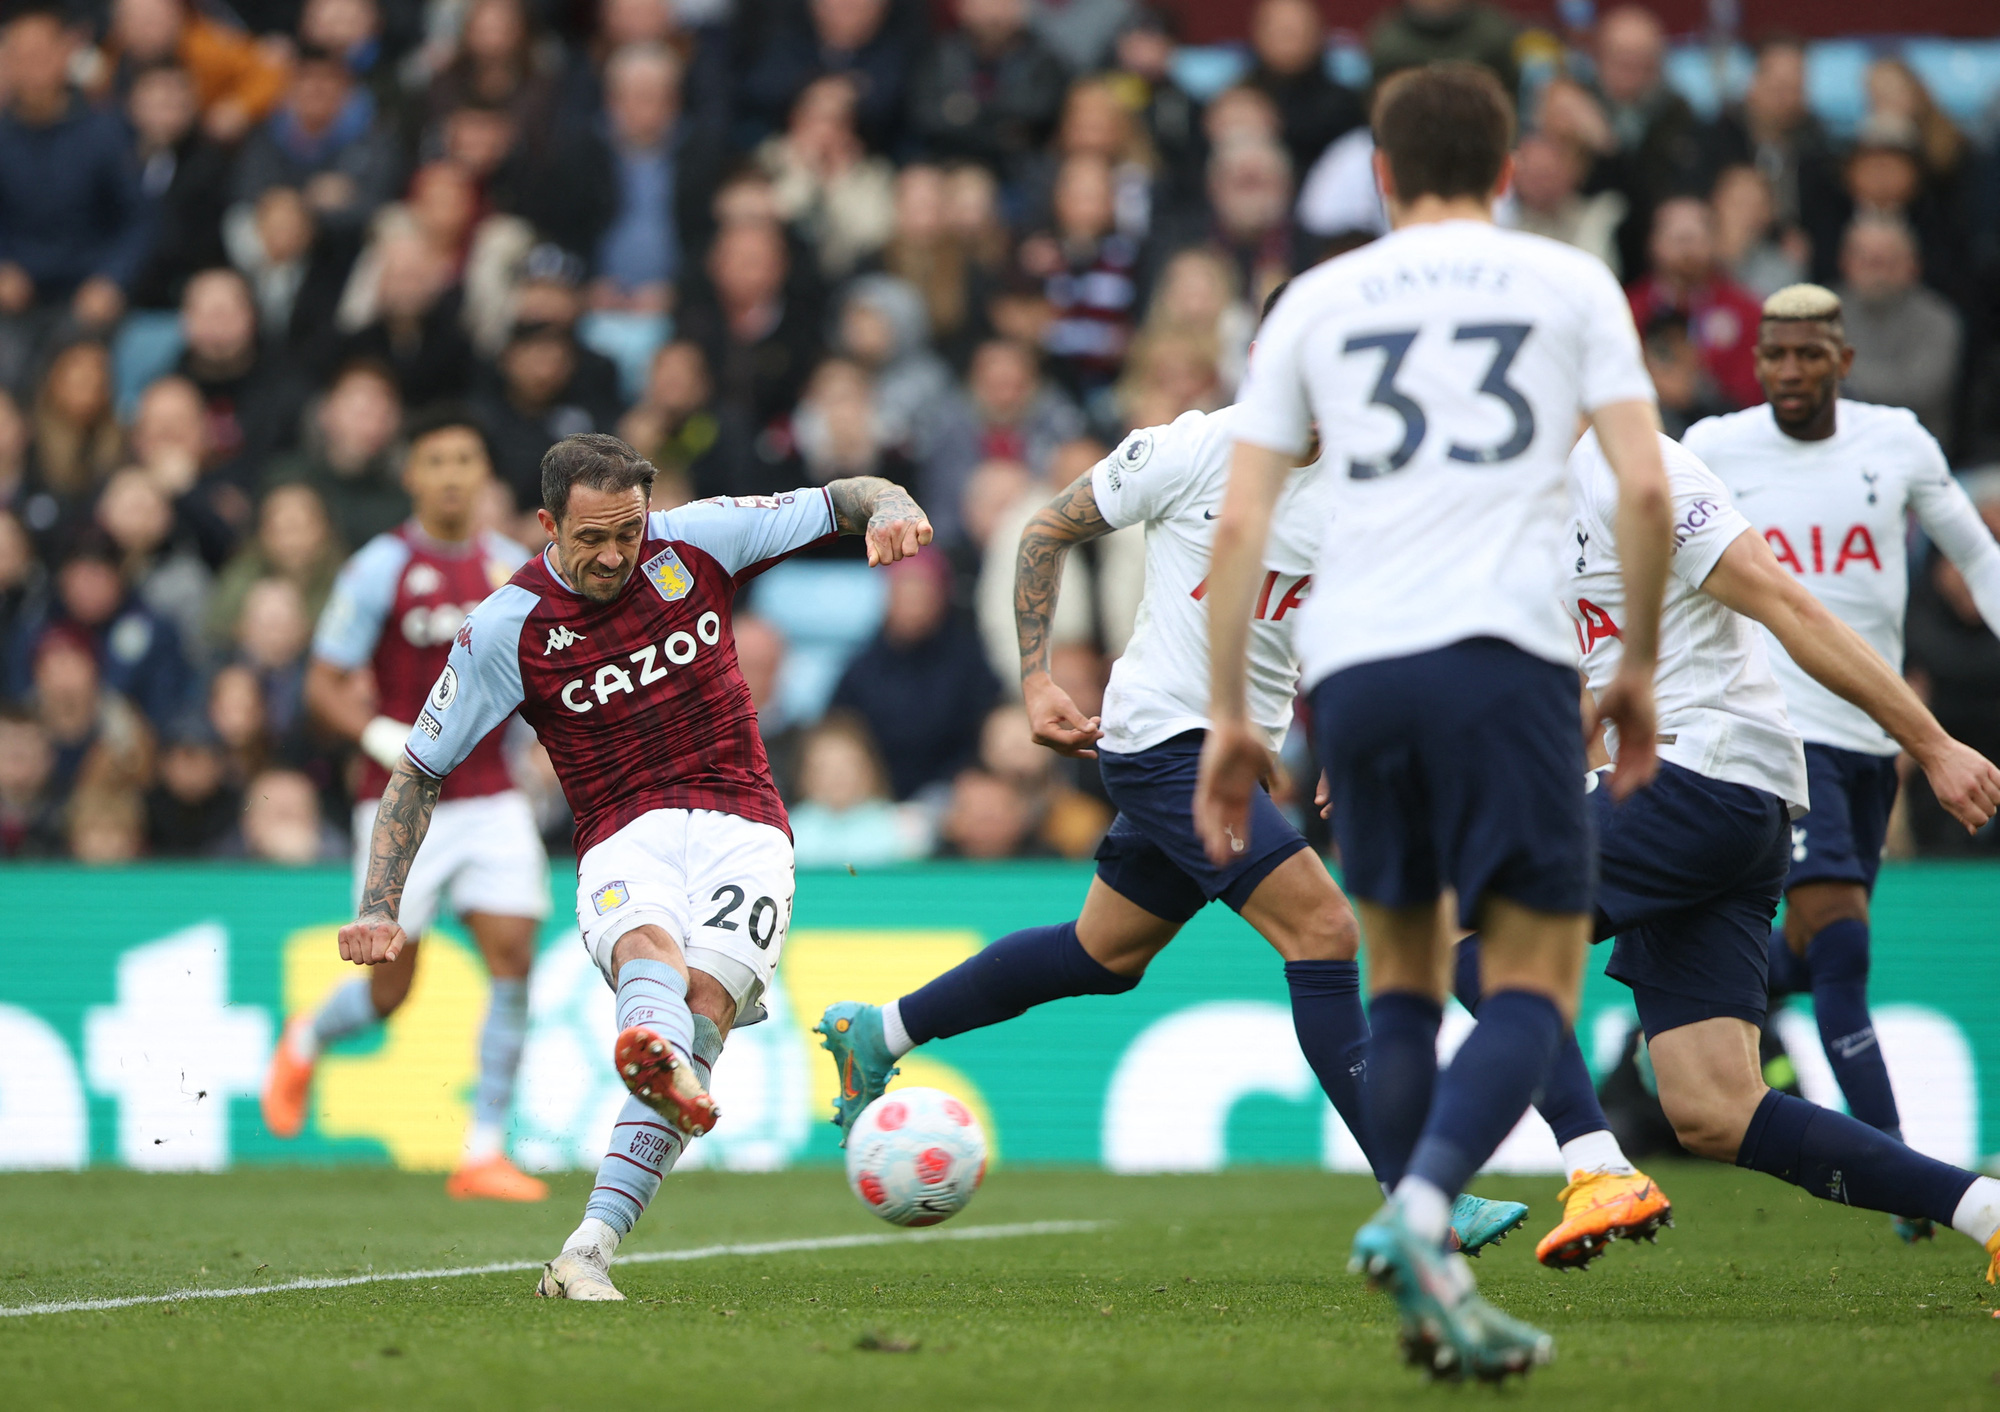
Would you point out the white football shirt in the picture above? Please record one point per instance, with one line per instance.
(1836, 513)
(1170, 479)
(1722, 713)
(1446, 366)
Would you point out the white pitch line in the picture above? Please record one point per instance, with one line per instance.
(507, 1267)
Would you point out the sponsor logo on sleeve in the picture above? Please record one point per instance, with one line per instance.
(446, 690)
(668, 575)
(429, 724)
(610, 897)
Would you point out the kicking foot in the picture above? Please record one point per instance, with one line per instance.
(661, 1079)
(287, 1084)
(853, 1036)
(1911, 1229)
(1477, 1223)
(494, 1179)
(1448, 1330)
(1598, 1208)
(583, 1273)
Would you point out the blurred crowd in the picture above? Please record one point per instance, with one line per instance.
(965, 244)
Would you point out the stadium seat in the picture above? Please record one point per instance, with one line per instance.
(1836, 81)
(827, 613)
(1204, 70)
(1964, 74)
(146, 347)
(629, 340)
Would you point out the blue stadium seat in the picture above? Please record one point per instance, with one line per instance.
(146, 347)
(1204, 70)
(1963, 73)
(827, 613)
(629, 340)
(1837, 81)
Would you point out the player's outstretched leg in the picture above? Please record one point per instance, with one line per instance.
(484, 1171)
(1020, 970)
(655, 1045)
(1607, 1198)
(349, 1009)
(642, 1151)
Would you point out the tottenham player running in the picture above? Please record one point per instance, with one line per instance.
(615, 644)
(1832, 483)
(1692, 866)
(391, 618)
(1446, 367)
(1152, 874)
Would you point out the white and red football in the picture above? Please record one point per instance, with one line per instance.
(915, 1156)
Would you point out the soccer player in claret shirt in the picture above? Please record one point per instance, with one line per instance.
(380, 644)
(1833, 484)
(615, 644)
(1446, 367)
(1152, 874)
(1693, 864)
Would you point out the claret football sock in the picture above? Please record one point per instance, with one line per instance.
(1834, 1157)
(643, 1149)
(1568, 1101)
(1333, 1032)
(1837, 959)
(653, 996)
(1019, 971)
(1397, 1082)
(349, 1010)
(500, 1042)
(1502, 1065)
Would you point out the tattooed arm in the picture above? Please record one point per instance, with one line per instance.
(1072, 518)
(883, 511)
(400, 826)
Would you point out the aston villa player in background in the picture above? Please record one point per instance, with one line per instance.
(381, 642)
(615, 644)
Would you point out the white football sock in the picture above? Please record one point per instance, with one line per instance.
(594, 1232)
(893, 1034)
(1427, 1209)
(483, 1141)
(1978, 1213)
(1595, 1152)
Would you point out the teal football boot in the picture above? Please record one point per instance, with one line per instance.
(1448, 1330)
(1477, 1223)
(1911, 1229)
(853, 1036)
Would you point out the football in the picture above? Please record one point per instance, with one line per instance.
(916, 1156)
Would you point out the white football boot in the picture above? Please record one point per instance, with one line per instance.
(580, 1273)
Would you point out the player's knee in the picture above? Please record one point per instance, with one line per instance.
(1326, 933)
(1705, 1132)
(1839, 956)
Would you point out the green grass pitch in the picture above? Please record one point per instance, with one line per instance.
(1202, 1292)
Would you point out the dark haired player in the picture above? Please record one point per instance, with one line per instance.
(1832, 484)
(381, 642)
(1152, 874)
(1446, 367)
(615, 644)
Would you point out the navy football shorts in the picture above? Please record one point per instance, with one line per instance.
(1152, 856)
(1690, 870)
(1460, 767)
(1850, 795)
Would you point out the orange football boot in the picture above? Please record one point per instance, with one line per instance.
(287, 1085)
(1598, 1208)
(494, 1179)
(659, 1078)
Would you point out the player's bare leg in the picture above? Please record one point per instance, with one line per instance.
(1712, 1090)
(508, 945)
(655, 1029)
(641, 1153)
(348, 1009)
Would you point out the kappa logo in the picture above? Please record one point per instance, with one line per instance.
(560, 636)
(667, 574)
(610, 897)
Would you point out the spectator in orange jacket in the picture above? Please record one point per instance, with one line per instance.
(238, 79)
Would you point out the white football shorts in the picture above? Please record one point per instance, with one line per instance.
(718, 884)
(482, 855)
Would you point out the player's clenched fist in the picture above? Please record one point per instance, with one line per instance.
(897, 534)
(1965, 782)
(371, 941)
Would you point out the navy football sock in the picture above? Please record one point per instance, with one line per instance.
(1788, 975)
(1333, 1033)
(1568, 1102)
(1502, 1065)
(1397, 1082)
(1834, 1157)
(1837, 959)
(1020, 970)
